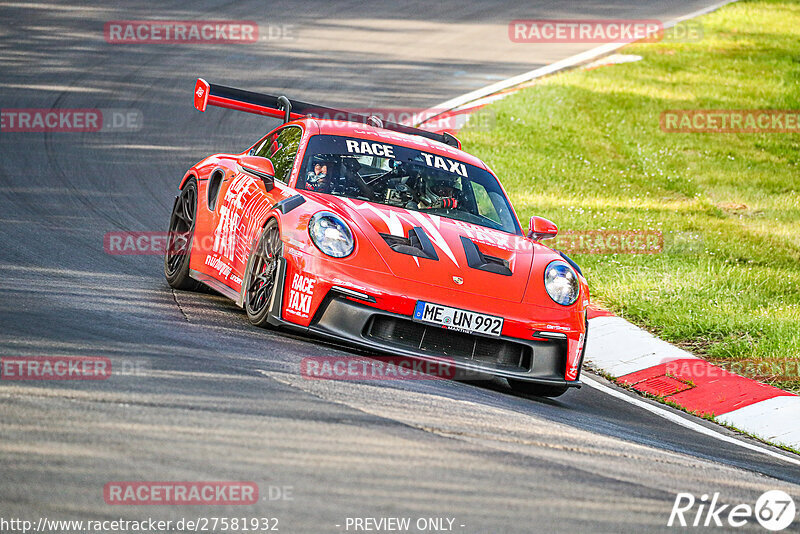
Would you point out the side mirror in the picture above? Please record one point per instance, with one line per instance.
(260, 168)
(540, 228)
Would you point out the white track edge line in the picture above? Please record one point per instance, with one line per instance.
(679, 420)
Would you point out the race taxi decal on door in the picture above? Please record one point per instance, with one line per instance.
(300, 295)
(243, 208)
(242, 190)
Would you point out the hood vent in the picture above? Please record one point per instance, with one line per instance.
(416, 244)
(478, 260)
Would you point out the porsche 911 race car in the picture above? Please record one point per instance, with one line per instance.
(379, 235)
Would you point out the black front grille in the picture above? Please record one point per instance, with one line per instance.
(448, 343)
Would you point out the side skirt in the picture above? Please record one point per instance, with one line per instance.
(215, 284)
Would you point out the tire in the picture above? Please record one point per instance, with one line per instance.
(537, 390)
(262, 271)
(180, 237)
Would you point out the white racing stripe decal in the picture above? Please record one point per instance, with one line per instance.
(435, 236)
(431, 223)
(691, 425)
(391, 218)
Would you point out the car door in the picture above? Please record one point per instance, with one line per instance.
(246, 201)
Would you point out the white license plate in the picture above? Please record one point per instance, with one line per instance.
(456, 319)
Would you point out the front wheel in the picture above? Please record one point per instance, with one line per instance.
(538, 390)
(262, 274)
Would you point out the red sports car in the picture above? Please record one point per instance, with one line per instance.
(380, 235)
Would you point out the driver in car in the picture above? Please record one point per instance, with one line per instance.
(444, 195)
(318, 179)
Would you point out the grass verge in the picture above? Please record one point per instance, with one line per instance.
(584, 148)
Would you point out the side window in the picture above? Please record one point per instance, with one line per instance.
(262, 148)
(484, 202)
(281, 148)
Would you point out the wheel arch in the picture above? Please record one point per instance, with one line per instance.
(272, 214)
(277, 298)
(191, 173)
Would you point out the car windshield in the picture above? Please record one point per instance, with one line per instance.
(407, 178)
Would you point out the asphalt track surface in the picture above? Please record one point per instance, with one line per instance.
(200, 394)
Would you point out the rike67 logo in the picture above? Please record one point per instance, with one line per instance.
(774, 510)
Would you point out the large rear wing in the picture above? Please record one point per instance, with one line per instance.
(210, 94)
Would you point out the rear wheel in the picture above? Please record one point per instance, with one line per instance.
(537, 390)
(262, 274)
(179, 240)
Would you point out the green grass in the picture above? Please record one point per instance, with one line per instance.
(584, 149)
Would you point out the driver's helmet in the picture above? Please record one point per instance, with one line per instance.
(320, 172)
(445, 189)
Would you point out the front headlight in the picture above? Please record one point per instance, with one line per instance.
(331, 234)
(561, 283)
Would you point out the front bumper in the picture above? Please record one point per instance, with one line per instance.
(474, 357)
